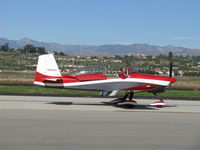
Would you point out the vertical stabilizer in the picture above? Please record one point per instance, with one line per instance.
(47, 65)
(46, 68)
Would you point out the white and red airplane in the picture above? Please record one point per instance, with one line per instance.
(48, 75)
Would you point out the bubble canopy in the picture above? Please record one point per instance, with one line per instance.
(89, 69)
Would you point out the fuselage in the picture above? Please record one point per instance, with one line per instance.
(100, 82)
(48, 75)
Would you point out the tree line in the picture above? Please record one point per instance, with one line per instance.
(29, 48)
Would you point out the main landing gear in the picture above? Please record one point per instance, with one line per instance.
(124, 102)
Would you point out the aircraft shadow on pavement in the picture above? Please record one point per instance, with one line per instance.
(61, 103)
(139, 106)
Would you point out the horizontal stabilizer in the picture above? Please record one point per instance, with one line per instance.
(108, 93)
(52, 79)
(113, 93)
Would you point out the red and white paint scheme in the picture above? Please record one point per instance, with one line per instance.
(48, 75)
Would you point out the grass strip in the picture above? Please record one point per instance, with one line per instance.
(6, 89)
(174, 93)
(40, 90)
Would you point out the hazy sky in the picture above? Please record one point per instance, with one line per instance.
(96, 22)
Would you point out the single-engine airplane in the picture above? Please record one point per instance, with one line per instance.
(48, 75)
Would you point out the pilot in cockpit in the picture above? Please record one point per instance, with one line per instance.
(123, 73)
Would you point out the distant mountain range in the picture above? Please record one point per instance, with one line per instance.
(106, 50)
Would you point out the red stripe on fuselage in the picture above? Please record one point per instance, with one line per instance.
(142, 87)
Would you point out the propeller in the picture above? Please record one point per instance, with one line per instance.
(170, 69)
(162, 88)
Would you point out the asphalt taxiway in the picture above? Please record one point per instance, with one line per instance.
(92, 104)
(36, 122)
